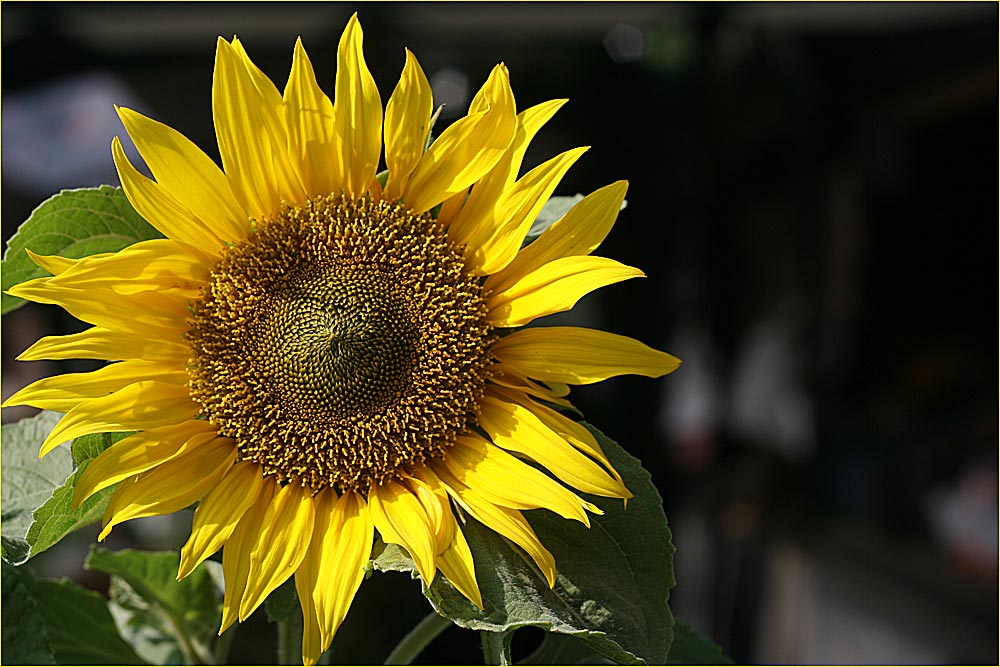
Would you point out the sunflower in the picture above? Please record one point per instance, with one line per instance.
(315, 351)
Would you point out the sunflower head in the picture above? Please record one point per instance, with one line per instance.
(342, 342)
(311, 356)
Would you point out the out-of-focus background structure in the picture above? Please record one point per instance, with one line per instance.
(814, 200)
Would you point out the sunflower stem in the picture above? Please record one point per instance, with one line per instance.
(290, 640)
(417, 639)
(496, 647)
(222, 646)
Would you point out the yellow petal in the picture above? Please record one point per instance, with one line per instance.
(357, 110)
(55, 264)
(554, 288)
(153, 314)
(481, 208)
(62, 393)
(311, 132)
(575, 434)
(107, 345)
(236, 554)
(467, 150)
(407, 117)
(506, 376)
(437, 509)
(517, 429)
(579, 356)
(312, 640)
(160, 265)
(187, 174)
(163, 211)
(141, 452)
(334, 565)
(139, 406)
(509, 523)
(452, 206)
(253, 139)
(279, 545)
(492, 244)
(506, 481)
(457, 565)
(579, 232)
(401, 519)
(171, 486)
(454, 558)
(219, 512)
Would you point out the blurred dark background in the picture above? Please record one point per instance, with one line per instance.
(814, 200)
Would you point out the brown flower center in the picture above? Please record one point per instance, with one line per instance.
(341, 342)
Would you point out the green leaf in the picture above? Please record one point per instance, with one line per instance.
(613, 583)
(56, 518)
(80, 628)
(73, 223)
(37, 493)
(24, 640)
(27, 482)
(690, 648)
(161, 616)
(564, 650)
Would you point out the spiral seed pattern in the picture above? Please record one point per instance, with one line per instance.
(341, 342)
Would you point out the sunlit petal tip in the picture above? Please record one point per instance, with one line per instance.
(30, 290)
(54, 264)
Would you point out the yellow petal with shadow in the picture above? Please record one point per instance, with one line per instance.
(138, 406)
(480, 210)
(504, 480)
(492, 244)
(554, 288)
(170, 486)
(163, 211)
(187, 175)
(62, 393)
(575, 434)
(357, 112)
(454, 558)
(56, 264)
(401, 519)
(509, 523)
(219, 512)
(158, 265)
(407, 120)
(253, 139)
(311, 133)
(516, 428)
(107, 345)
(334, 566)
(154, 314)
(279, 544)
(141, 452)
(576, 355)
(236, 553)
(467, 150)
(579, 232)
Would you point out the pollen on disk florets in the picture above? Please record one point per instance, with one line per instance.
(342, 341)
